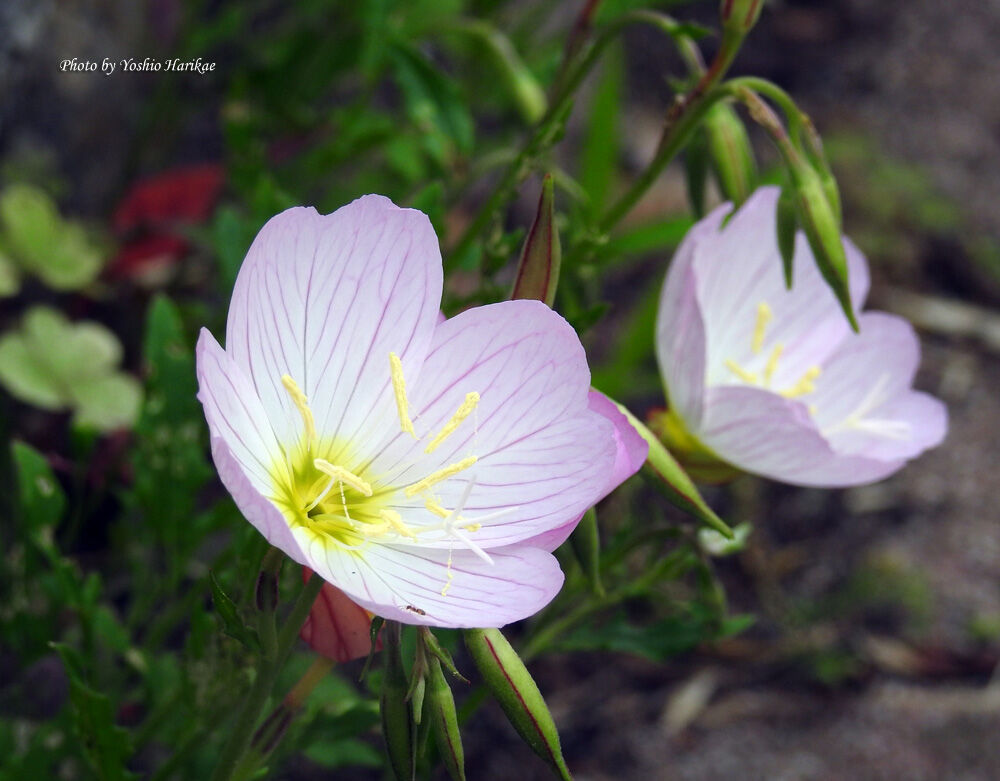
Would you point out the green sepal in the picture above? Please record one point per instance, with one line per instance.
(517, 693)
(678, 487)
(442, 654)
(444, 722)
(787, 224)
(538, 269)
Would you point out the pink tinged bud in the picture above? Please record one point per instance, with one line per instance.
(515, 690)
(773, 381)
(538, 268)
(336, 627)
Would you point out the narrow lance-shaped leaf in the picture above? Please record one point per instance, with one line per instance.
(513, 687)
(680, 490)
(105, 745)
(538, 269)
(444, 722)
(229, 614)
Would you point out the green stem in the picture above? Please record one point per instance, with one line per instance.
(561, 101)
(267, 672)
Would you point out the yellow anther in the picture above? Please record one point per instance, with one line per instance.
(395, 520)
(436, 477)
(473, 527)
(764, 316)
(805, 385)
(302, 404)
(399, 390)
(467, 408)
(433, 506)
(772, 362)
(748, 377)
(341, 475)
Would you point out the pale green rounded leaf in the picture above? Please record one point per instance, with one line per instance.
(107, 403)
(26, 376)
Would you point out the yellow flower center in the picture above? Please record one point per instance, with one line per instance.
(323, 486)
(805, 385)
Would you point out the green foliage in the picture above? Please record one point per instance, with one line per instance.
(41, 242)
(57, 365)
(105, 744)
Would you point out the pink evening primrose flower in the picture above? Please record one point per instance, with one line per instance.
(419, 466)
(773, 381)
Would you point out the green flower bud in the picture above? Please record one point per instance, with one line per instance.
(513, 687)
(786, 227)
(444, 722)
(396, 720)
(696, 172)
(730, 153)
(538, 269)
(818, 218)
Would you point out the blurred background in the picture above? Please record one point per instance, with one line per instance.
(875, 643)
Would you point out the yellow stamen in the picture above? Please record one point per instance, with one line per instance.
(467, 408)
(341, 475)
(437, 477)
(805, 385)
(764, 316)
(395, 520)
(772, 362)
(747, 377)
(399, 390)
(473, 527)
(302, 404)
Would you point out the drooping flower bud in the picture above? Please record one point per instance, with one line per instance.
(696, 172)
(818, 219)
(730, 153)
(444, 722)
(538, 269)
(513, 687)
